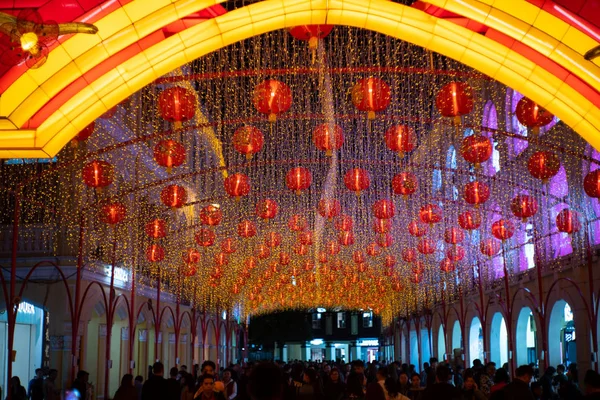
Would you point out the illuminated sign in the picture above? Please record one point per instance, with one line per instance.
(26, 308)
(369, 343)
(316, 342)
(120, 273)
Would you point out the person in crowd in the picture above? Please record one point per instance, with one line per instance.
(80, 383)
(208, 367)
(560, 377)
(415, 391)
(500, 380)
(50, 391)
(403, 385)
(441, 389)
(155, 387)
(458, 377)
(334, 388)
(432, 373)
(35, 389)
(381, 378)
(486, 380)
(138, 382)
(182, 370)
(355, 386)
(477, 370)
(265, 382)
(127, 389)
(231, 389)
(173, 386)
(392, 389)
(188, 386)
(470, 390)
(518, 389)
(207, 388)
(591, 383)
(537, 390)
(569, 389)
(426, 370)
(325, 371)
(17, 391)
(310, 388)
(547, 381)
(375, 392)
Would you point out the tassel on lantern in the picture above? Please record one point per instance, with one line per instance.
(313, 43)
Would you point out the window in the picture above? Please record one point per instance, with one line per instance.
(368, 319)
(341, 320)
(316, 321)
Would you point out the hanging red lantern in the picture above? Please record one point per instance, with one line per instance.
(371, 95)
(417, 228)
(455, 99)
(266, 209)
(328, 138)
(453, 235)
(373, 250)
(250, 263)
(155, 253)
(189, 270)
(273, 239)
(409, 255)
(447, 265)
(430, 214)
(284, 258)
(385, 240)
(346, 238)
(177, 105)
(205, 237)
(531, 115)
(322, 256)
(357, 180)
(567, 221)
(418, 268)
(405, 184)
(263, 251)
(476, 149)
(246, 229)
(455, 253)
(237, 185)
(333, 248)
(191, 256)
(272, 97)
(83, 135)
(113, 213)
(308, 266)
(390, 261)
(156, 228)
(401, 139)
(169, 154)
(382, 225)
(358, 257)
(416, 278)
(298, 179)
(221, 259)
(297, 223)
(543, 165)
(476, 193)
(396, 286)
(384, 209)
(489, 247)
(329, 208)
(524, 206)
(228, 246)
(173, 196)
(469, 220)
(503, 229)
(98, 174)
(343, 223)
(301, 249)
(311, 33)
(306, 238)
(426, 246)
(591, 184)
(211, 215)
(248, 140)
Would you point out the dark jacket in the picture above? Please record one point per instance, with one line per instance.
(516, 390)
(334, 391)
(173, 389)
(155, 388)
(126, 393)
(442, 391)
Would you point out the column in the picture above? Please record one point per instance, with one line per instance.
(329, 351)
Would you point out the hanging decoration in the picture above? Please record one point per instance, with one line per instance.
(177, 105)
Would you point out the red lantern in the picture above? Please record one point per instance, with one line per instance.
(384, 209)
(266, 209)
(173, 196)
(418, 268)
(396, 286)
(191, 256)
(430, 214)
(455, 99)
(371, 95)
(401, 139)
(346, 238)
(237, 185)
(306, 238)
(357, 180)
(205, 237)
(284, 258)
(373, 250)
(98, 174)
(358, 257)
(447, 265)
(297, 223)
(476, 193)
(385, 240)
(476, 149)
(390, 261)
(250, 263)
(524, 206)
(113, 213)
(263, 251)
(329, 208)
(169, 154)
(228, 246)
(405, 184)
(453, 235)
(311, 33)
(298, 179)
(323, 259)
(426, 246)
(489, 247)
(543, 165)
(409, 255)
(591, 184)
(503, 229)
(343, 223)
(382, 225)
(417, 228)
(248, 140)
(272, 97)
(301, 249)
(455, 253)
(567, 221)
(416, 278)
(532, 115)
(211, 215)
(83, 135)
(333, 248)
(221, 259)
(469, 220)
(246, 229)
(273, 239)
(156, 229)
(177, 105)
(189, 270)
(328, 138)
(155, 253)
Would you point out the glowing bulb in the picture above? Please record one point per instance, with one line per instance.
(29, 41)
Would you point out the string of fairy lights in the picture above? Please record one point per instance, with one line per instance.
(344, 170)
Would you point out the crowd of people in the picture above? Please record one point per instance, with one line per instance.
(301, 380)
